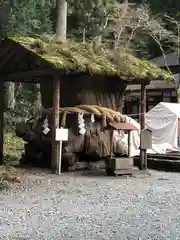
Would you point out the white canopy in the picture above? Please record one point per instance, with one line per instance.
(162, 120)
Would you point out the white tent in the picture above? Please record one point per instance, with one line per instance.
(163, 121)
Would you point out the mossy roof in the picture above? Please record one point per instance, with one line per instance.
(74, 57)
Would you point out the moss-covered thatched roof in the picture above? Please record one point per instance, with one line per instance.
(73, 57)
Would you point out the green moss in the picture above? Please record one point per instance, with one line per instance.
(13, 148)
(80, 57)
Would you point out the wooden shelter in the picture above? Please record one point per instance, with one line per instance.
(35, 60)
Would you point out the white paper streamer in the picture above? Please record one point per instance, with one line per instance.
(81, 124)
(82, 131)
(92, 118)
(45, 126)
(46, 130)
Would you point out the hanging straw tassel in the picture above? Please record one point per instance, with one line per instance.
(104, 121)
(63, 119)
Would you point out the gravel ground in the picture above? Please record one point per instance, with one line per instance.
(73, 206)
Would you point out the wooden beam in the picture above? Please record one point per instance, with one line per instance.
(143, 162)
(138, 81)
(7, 58)
(18, 76)
(1, 121)
(4, 49)
(56, 105)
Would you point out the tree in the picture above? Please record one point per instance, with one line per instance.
(61, 19)
(134, 28)
(29, 18)
(106, 20)
(9, 87)
(18, 17)
(86, 19)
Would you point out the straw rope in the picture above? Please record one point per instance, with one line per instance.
(102, 112)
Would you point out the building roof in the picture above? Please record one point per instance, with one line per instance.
(171, 60)
(73, 57)
(158, 84)
(120, 126)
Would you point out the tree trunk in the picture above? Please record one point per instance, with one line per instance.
(9, 87)
(61, 19)
(38, 102)
(99, 39)
(9, 96)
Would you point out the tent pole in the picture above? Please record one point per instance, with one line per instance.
(56, 105)
(143, 154)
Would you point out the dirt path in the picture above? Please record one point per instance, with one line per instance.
(73, 206)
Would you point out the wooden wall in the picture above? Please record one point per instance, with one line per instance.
(76, 90)
(132, 100)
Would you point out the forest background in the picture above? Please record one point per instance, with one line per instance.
(147, 29)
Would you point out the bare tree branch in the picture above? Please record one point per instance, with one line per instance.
(130, 22)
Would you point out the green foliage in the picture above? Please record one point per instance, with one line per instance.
(35, 18)
(25, 95)
(3, 185)
(13, 148)
(88, 17)
(85, 20)
(25, 98)
(21, 17)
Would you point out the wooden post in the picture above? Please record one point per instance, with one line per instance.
(129, 144)
(142, 123)
(145, 159)
(1, 121)
(60, 157)
(111, 143)
(56, 105)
